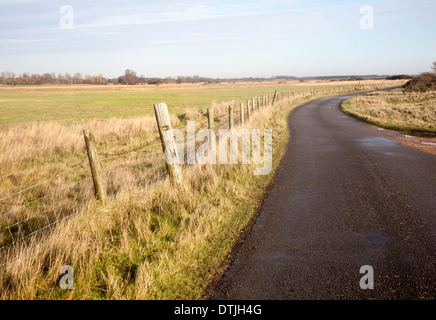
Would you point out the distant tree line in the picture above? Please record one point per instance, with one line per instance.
(130, 77)
(10, 78)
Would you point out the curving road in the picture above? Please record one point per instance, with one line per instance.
(344, 197)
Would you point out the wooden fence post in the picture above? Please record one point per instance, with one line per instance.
(241, 109)
(248, 111)
(210, 122)
(253, 104)
(230, 117)
(168, 144)
(95, 166)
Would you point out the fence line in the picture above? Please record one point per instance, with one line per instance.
(19, 230)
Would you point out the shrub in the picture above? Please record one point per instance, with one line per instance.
(422, 83)
(399, 77)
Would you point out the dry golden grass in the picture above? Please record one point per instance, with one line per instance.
(411, 112)
(150, 241)
(369, 83)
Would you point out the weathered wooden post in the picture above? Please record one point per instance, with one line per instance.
(95, 166)
(168, 144)
(253, 104)
(210, 122)
(275, 97)
(241, 109)
(231, 117)
(248, 111)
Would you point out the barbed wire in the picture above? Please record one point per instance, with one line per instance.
(20, 231)
(22, 205)
(129, 151)
(43, 182)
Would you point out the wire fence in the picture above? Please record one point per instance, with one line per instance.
(37, 209)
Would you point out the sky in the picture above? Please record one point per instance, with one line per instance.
(219, 39)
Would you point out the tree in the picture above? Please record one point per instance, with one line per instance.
(129, 77)
(434, 66)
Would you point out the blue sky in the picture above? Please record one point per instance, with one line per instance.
(212, 38)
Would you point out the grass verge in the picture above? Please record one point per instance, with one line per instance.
(413, 113)
(157, 242)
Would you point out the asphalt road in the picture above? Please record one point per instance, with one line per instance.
(344, 197)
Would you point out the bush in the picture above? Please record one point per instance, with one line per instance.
(399, 77)
(422, 83)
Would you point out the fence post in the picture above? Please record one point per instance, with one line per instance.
(168, 144)
(253, 104)
(230, 117)
(248, 111)
(95, 166)
(241, 109)
(210, 119)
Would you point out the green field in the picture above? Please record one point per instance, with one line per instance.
(68, 106)
(151, 242)
(76, 106)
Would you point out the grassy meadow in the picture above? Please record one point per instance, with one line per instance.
(151, 240)
(411, 112)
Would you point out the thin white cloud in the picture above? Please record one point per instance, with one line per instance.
(24, 40)
(9, 2)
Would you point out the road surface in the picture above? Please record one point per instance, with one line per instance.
(344, 197)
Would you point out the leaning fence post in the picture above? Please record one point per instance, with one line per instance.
(95, 165)
(230, 117)
(168, 144)
(210, 119)
(241, 109)
(275, 97)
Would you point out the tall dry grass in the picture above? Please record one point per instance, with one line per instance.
(151, 241)
(157, 242)
(413, 112)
